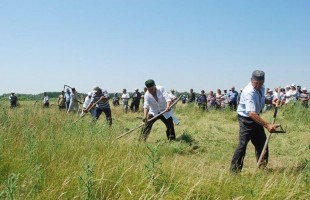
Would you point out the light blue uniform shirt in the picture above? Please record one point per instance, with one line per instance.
(251, 100)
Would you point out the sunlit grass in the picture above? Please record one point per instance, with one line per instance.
(49, 154)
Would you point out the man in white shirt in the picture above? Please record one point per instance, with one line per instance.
(157, 100)
(86, 103)
(125, 98)
(46, 103)
(74, 102)
(251, 125)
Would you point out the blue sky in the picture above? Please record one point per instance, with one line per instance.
(117, 44)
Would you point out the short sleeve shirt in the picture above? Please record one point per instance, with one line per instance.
(251, 100)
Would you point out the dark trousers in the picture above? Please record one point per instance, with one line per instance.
(146, 130)
(67, 105)
(107, 112)
(62, 107)
(134, 106)
(233, 105)
(46, 105)
(13, 104)
(249, 130)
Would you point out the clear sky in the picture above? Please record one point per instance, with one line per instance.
(181, 44)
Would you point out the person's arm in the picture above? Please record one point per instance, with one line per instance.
(145, 115)
(270, 127)
(168, 106)
(92, 102)
(88, 107)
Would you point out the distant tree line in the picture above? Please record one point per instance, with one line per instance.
(31, 97)
(52, 95)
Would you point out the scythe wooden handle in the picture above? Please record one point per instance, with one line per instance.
(176, 101)
(269, 134)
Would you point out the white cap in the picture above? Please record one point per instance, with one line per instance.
(287, 86)
(136, 89)
(89, 93)
(12, 92)
(304, 88)
(293, 85)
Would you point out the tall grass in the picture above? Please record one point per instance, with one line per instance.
(45, 155)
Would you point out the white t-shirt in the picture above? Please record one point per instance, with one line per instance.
(87, 102)
(157, 107)
(45, 99)
(125, 97)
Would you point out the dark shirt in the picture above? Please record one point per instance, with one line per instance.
(191, 97)
(136, 96)
(202, 99)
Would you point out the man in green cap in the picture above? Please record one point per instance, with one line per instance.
(157, 100)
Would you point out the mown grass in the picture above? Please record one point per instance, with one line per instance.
(46, 155)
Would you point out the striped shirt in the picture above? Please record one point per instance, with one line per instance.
(104, 103)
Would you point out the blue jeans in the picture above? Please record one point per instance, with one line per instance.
(67, 105)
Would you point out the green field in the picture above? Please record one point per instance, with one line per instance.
(45, 155)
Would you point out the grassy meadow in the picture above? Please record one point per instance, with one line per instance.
(49, 154)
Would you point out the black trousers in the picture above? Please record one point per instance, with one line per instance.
(146, 130)
(107, 112)
(233, 105)
(134, 106)
(249, 130)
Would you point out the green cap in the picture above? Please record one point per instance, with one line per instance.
(149, 83)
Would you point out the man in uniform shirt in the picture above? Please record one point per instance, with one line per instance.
(233, 98)
(157, 100)
(251, 125)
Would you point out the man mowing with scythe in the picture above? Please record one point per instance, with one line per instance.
(156, 101)
(101, 99)
(251, 125)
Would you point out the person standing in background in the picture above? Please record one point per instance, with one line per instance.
(67, 98)
(61, 101)
(233, 97)
(136, 96)
(125, 98)
(191, 96)
(13, 100)
(46, 102)
(74, 103)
